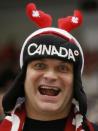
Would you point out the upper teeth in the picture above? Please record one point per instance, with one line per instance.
(50, 87)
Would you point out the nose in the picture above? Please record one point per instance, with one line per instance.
(50, 76)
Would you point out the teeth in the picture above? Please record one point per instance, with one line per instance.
(49, 90)
(50, 87)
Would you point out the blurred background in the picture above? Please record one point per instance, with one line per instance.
(15, 27)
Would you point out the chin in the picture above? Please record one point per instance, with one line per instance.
(50, 107)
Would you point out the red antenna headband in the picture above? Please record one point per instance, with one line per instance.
(43, 19)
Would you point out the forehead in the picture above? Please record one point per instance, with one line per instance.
(53, 61)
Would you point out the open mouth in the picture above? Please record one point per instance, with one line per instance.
(49, 90)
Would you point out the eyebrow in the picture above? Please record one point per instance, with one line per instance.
(60, 61)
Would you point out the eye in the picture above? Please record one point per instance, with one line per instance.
(64, 68)
(39, 66)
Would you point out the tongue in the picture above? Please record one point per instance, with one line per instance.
(49, 92)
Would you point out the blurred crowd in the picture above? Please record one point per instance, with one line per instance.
(9, 67)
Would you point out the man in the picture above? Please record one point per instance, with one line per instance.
(51, 62)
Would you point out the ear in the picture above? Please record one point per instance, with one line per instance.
(39, 17)
(71, 22)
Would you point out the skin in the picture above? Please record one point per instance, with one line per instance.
(48, 73)
(1, 108)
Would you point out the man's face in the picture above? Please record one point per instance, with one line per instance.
(48, 88)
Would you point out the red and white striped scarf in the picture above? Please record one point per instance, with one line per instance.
(16, 121)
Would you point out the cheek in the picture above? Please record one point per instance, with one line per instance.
(68, 81)
(32, 79)
(68, 90)
(29, 84)
(35, 77)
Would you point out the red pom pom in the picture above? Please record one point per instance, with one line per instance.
(39, 17)
(70, 22)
